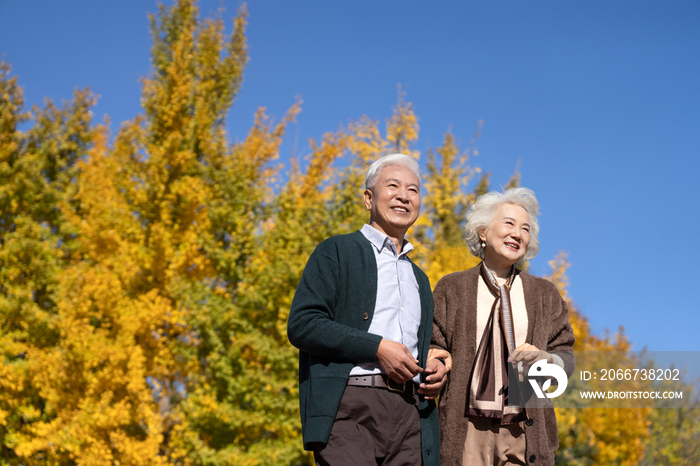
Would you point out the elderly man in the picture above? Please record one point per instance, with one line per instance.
(362, 320)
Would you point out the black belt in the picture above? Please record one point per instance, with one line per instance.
(381, 381)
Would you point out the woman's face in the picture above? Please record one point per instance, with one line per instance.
(507, 237)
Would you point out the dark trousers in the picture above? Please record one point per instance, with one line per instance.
(373, 426)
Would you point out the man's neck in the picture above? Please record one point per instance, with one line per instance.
(395, 237)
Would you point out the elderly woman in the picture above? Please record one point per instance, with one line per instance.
(490, 317)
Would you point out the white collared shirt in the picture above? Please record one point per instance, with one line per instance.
(397, 310)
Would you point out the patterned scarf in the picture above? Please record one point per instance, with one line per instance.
(488, 387)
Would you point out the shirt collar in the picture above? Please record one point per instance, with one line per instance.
(379, 240)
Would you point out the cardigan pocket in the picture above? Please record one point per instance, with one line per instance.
(325, 392)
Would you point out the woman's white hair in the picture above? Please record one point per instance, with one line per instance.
(392, 159)
(482, 213)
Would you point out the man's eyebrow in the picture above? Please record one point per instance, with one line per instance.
(395, 180)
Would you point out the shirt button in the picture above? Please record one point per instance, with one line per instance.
(365, 316)
(532, 459)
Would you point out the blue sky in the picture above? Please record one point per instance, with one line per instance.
(598, 101)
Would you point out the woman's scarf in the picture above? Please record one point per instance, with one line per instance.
(488, 387)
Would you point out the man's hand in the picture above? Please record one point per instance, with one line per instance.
(437, 376)
(441, 353)
(397, 362)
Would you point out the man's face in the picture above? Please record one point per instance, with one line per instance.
(394, 202)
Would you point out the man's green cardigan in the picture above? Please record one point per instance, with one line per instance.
(328, 322)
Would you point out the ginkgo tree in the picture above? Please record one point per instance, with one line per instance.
(146, 276)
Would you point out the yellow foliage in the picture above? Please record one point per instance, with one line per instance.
(366, 141)
(145, 283)
(448, 259)
(402, 128)
(320, 169)
(596, 433)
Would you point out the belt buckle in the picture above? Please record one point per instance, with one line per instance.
(392, 389)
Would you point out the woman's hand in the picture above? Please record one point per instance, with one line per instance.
(529, 354)
(436, 376)
(441, 353)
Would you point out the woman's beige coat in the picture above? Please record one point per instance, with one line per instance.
(454, 327)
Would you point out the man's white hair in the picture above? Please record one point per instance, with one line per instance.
(482, 213)
(392, 159)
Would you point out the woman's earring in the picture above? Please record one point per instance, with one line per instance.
(483, 245)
